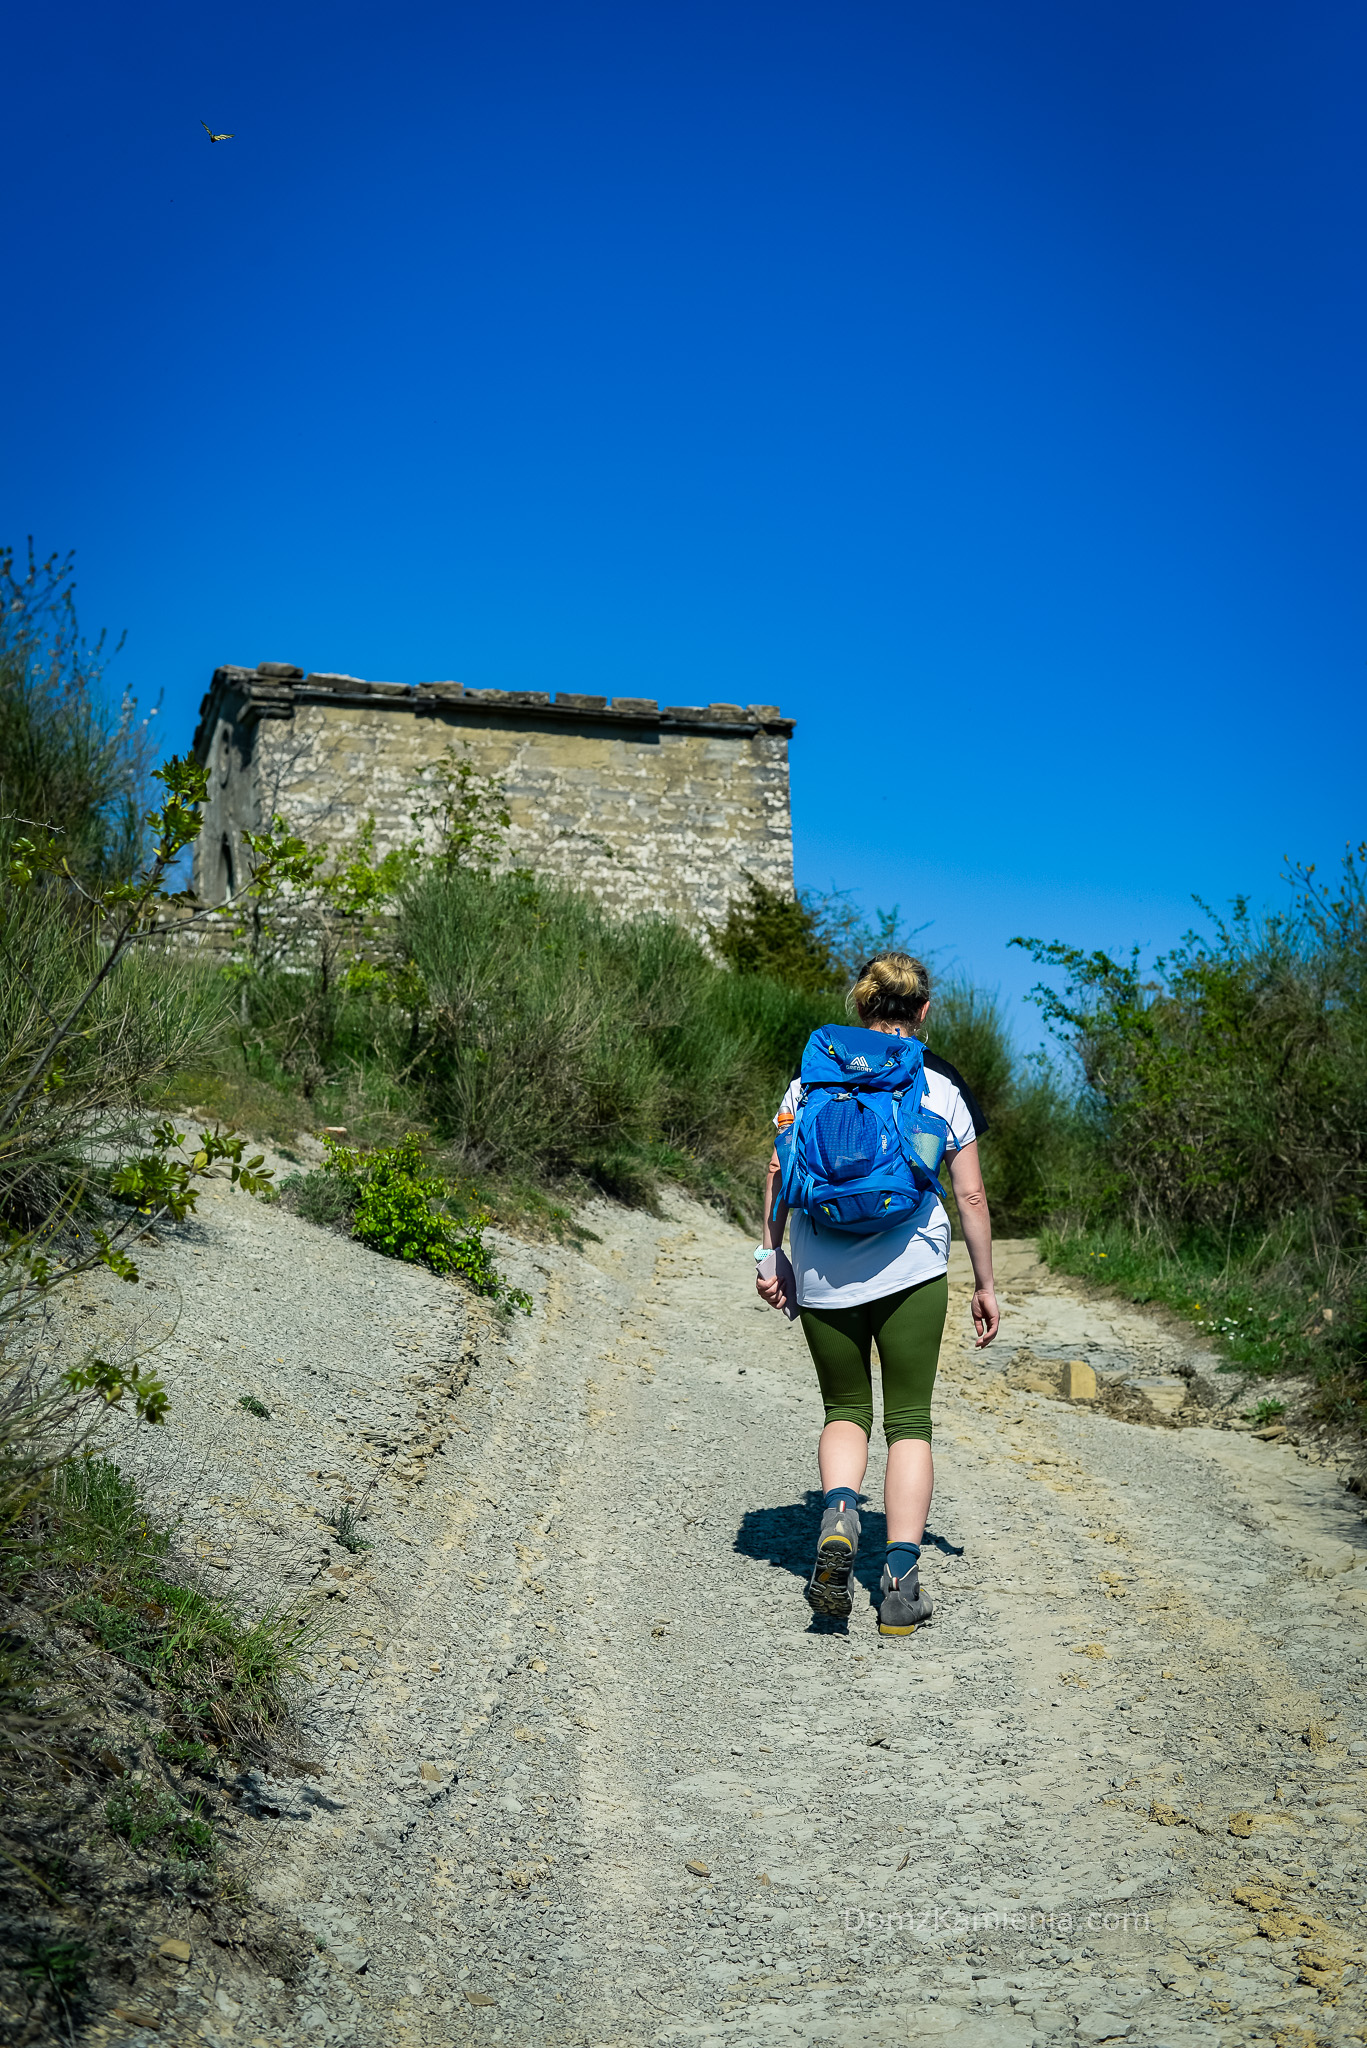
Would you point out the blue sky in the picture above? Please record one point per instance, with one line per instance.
(981, 383)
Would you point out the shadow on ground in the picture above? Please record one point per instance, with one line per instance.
(785, 1537)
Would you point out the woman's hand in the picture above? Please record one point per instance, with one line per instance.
(986, 1315)
(776, 1283)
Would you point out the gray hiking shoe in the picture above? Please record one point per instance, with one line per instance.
(902, 1604)
(828, 1589)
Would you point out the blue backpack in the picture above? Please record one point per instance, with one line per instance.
(862, 1153)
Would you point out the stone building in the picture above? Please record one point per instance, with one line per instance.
(648, 808)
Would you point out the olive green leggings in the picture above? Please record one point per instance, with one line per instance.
(907, 1328)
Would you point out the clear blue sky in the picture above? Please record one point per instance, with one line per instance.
(982, 383)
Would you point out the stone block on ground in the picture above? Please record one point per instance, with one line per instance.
(1079, 1381)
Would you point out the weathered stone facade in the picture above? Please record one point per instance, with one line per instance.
(646, 808)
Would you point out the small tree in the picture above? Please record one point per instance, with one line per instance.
(814, 941)
(780, 936)
(468, 811)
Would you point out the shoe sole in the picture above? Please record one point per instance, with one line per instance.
(828, 1589)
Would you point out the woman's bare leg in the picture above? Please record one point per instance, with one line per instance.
(843, 1456)
(908, 1487)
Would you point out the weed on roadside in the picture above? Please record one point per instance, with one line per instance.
(100, 1564)
(156, 1824)
(113, 1799)
(321, 1198)
(185, 1753)
(347, 1530)
(56, 1973)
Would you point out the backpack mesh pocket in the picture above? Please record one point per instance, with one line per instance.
(844, 1137)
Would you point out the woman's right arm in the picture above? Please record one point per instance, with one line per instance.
(774, 1283)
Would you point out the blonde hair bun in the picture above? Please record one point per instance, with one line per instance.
(891, 989)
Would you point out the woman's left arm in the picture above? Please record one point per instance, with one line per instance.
(966, 1178)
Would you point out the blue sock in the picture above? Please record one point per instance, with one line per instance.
(840, 1496)
(903, 1559)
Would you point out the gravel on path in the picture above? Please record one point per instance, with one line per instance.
(577, 1764)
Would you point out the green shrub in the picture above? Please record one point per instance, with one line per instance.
(72, 761)
(1230, 1085)
(88, 1020)
(1221, 1137)
(400, 1208)
(152, 1015)
(779, 936)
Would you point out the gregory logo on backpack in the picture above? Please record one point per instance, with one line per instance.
(862, 1152)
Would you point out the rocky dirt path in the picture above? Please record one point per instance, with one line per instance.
(577, 1765)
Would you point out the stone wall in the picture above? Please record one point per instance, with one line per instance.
(646, 808)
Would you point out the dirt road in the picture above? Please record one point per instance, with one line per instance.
(584, 1768)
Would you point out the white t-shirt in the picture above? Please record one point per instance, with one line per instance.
(836, 1268)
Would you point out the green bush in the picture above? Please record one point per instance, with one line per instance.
(560, 1043)
(779, 936)
(146, 1021)
(399, 1207)
(1220, 1155)
(1231, 1083)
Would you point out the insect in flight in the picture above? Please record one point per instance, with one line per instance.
(215, 138)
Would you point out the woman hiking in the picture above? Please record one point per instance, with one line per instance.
(861, 1132)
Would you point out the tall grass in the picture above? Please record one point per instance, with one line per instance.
(561, 1041)
(89, 1554)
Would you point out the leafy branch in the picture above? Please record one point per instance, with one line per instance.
(161, 1180)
